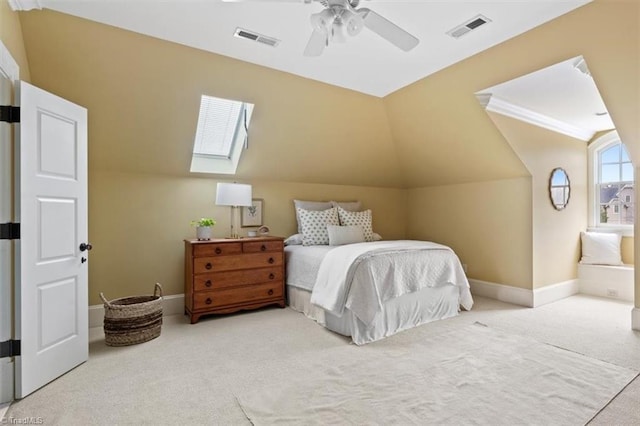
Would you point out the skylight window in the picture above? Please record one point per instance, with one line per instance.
(221, 134)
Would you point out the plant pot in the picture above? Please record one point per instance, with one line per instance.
(203, 233)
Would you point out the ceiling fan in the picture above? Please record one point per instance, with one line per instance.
(342, 17)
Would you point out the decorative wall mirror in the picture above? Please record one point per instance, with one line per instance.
(559, 188)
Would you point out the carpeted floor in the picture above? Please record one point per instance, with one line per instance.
(193, 373)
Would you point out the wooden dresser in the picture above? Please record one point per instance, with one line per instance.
(224, 275)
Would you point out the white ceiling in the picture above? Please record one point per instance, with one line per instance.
(365, 63)
(565, 92)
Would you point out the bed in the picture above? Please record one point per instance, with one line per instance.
(371, 290)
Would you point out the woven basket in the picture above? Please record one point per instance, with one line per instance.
(132, 320)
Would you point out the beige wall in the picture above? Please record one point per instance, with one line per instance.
(138, 222)
(431, 136)
(556, 234)
(444, 136)
(488, 224)
(11, 36)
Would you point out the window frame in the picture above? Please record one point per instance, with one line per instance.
(594, 149)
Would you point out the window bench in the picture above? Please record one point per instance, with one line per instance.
(607, 281)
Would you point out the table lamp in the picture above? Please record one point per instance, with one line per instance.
(235, 195)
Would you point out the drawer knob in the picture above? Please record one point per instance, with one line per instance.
(208, 265)
(208, 301)
(218, 250)
(263, 248)
(270, 292)
(271, 276)
(207, 283)
(271, 260)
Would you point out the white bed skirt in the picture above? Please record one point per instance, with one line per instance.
(401, 313)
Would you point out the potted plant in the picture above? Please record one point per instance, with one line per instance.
(203, 228)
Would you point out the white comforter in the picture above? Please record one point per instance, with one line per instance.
(341, 283)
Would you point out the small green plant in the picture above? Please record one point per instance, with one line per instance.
(204, 221)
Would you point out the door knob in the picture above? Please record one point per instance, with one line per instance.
(85, 246)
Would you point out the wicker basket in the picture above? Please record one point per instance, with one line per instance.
(132, 320)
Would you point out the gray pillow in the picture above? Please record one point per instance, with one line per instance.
(340, 235)
(352, 206)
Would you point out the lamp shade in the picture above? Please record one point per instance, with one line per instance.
(233, 194)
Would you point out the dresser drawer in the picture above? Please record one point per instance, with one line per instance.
(261, 246)
(231, 296)
(245, 261)
(217, 280)
(200, 250)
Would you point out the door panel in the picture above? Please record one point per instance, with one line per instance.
(51, 278)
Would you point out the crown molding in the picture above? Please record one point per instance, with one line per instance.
(494, 104)
(21, 5)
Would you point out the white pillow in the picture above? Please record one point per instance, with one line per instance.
(377, 237)
(340, 235)
(600, 248)
(293, 240)
(352, 206)
(314, 225)
(357, 218)
(310, 205)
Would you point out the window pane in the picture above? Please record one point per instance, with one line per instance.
(626, 217)
(610, 173)
(608, 193)
(611, 155)
(627, 172)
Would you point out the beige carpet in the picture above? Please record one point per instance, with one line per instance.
(191, 374)
(471, 375)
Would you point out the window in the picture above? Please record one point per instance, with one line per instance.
(221, 134)
(612, 192)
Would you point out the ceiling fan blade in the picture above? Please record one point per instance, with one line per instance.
(388, 30)
(316, 43)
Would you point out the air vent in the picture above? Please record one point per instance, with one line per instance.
(468, 26)
(251, 35)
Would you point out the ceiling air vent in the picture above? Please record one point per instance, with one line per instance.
(251, 35)
(468, 26)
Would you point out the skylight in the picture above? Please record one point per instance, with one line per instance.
(220, 135)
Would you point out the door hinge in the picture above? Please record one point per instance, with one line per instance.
(9, 114)
(10, 231)
(9, 348)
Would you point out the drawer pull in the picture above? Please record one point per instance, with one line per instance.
(271, 260)
(207, 283)
(270, 292)
(208, 301)
(271, 276)
(218, 250)
(208, 265)
(263, 248)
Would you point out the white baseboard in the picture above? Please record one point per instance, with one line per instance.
(504, 293)
(555, 292)
(522, 296)
(635, 319)
(171, 305)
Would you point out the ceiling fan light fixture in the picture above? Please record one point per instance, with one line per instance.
(353, 22)
(321, 21)
(338, 32)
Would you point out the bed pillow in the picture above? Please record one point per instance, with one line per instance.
(352, 206)
(362, 218)
(314, 225)
(310, 205)
(600, 248)
(340, 235)
(293, 240)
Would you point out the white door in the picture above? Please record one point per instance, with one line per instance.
(51, 268)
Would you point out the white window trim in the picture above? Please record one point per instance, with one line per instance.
(592, 169)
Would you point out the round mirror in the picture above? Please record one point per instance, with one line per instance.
(559, 188)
